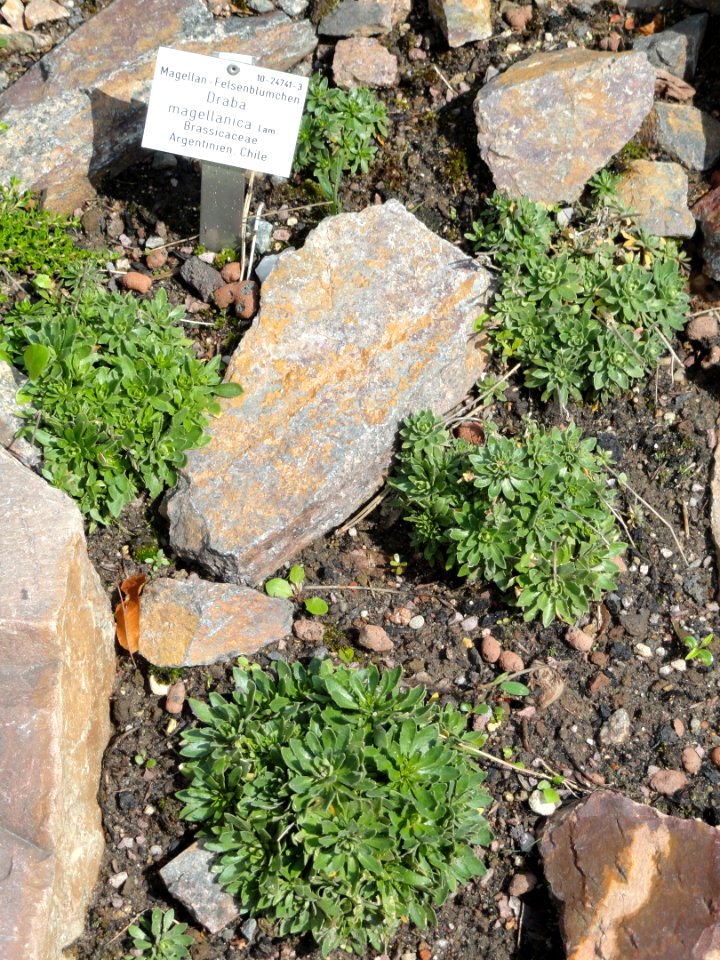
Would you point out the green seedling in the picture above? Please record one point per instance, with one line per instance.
(698, 649)
(153, 557)
(160, 937)
(532, 514)
(397, 565)
(337, 803)
(548, 791)
(292, 589)
(144, 761)
(339, 134)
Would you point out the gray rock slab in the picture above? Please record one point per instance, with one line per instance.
(370, 321)
(10, 382)
(57, 667)
(657, 195)
(190, 879)
(551, 121)
(358, 18)
(677, 48)
(685, 134)
(186, 623)
(78, 114)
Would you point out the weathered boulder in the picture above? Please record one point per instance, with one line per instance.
(364, 61)
(10, 422)
(185, 623)
(79, 113)
(370, 321)
(633, 883)
(551, 121)
(707, 213)
(56, 675)
(657, 194)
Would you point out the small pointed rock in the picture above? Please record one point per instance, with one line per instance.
(43, 11)
(657, 194)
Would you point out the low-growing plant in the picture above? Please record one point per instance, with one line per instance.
(115, 395)
(338, 804)
(160, 937)
(586, 309)
(339, 134)
(531, 514)
(697, 648)
(292, 589)
(32, 239)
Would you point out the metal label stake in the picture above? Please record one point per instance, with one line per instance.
(222, 190)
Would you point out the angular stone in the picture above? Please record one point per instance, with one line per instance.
(13, 13)
(78, 114)
(186, 623)
(358, 18)
(57, 667)
(707, 212)
(551, 121)
(362, 61)
(370, 321)
(43, 11)
(190, 879)
(632, 883)
(202, 277)
(657, 195)
(677, 48)
(685, 134)
(10, 382)
(462, 21)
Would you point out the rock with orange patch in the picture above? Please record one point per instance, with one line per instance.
(186, 623)
(78, 114)
(372, 320)
(548, 123)
(633, 883)
(57, 668)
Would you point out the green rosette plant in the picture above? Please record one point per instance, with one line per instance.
(532, 514)
(338, 804)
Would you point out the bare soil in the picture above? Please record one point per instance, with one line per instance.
(662, 435)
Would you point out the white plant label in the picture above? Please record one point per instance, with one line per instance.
(225, 111)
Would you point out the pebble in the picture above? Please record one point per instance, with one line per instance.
(155, 241)
(715, 757)
(175, 697)
(139, 282)
(665, 670)
(510, 662)
(578, 639)
(490, 648)
(679, 665)
(417, 622)
(155, 851)
(309, 631)
(400, 616)
(373, 637)
(538, 804)
(469, 623)
(156, 259)
(691, 760)
(643, 651)
(666, 552)
(231, 272)
(521, 883)
(616, 730)
(668, 782)
(118, 879)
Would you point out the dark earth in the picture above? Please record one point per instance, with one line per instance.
(662, 435)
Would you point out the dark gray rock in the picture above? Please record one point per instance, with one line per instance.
(676, 49)
(202, 277)
(190, 879)
(685, 134)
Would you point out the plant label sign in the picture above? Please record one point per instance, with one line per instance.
(225, 111)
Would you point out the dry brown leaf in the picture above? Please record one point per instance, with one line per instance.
(655, 26)
(127, 613)
(668, 85)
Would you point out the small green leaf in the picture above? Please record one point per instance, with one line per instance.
(36, 358)
(297, 574)
(316, 605)
(277, 587)
(228, 390)
(515, 689)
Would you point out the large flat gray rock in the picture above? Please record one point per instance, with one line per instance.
(78, 114)
(548, 123)
(370, 321)
(57, 667)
